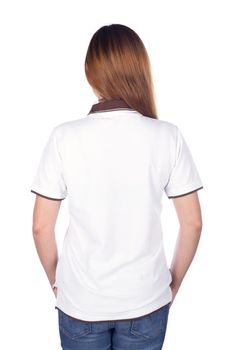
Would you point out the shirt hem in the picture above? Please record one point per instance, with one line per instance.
(128, 315)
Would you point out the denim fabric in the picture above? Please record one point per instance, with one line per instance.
(142, 333)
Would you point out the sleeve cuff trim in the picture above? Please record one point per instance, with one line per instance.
(184, 194)
(54, 199)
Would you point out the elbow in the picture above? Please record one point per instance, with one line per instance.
(38, 229)
(198, 224)
(35, 231)
(198, 227)
(195, 226)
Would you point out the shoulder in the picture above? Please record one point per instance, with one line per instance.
(70, 124)
(160, 127)
(69, 127)
(167, 126)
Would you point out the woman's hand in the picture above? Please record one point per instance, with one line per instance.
(174, 292)
(55, 291)
(174, 288)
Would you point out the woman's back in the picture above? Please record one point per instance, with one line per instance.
(114, 166)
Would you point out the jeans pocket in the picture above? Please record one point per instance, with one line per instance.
(72, 327)
(152, 325)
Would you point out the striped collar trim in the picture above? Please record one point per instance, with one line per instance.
(109, 105)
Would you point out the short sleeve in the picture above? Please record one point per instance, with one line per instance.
(184, 177)
(49, 181)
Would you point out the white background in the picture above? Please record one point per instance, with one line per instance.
(42, 83)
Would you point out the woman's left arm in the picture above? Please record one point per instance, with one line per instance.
(43, 228)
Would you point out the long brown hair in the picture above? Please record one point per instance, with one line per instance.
(117, 66)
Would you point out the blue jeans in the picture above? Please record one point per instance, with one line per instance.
(141, 333)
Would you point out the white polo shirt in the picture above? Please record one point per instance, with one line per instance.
(114, 165)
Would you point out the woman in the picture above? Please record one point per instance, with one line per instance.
(112, 283)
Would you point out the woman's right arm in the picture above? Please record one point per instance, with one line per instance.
(190, 220)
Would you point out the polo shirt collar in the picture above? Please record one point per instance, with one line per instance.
(109, 105)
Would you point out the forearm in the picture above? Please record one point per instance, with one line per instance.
(185, 249)
(46, 247)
